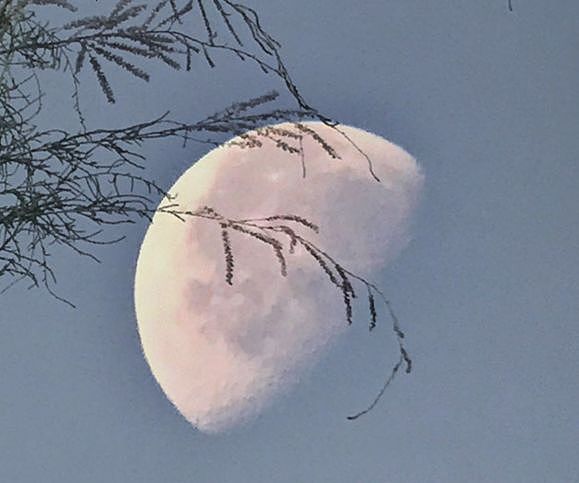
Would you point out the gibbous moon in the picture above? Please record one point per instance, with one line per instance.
(221, 352)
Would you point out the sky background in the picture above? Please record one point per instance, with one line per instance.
(487, 290)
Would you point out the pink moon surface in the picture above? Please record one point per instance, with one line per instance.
(220, 352)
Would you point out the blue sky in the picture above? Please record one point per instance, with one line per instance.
(487, 290)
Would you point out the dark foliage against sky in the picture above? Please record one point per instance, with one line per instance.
(68, 188)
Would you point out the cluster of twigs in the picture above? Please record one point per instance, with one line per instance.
(54, 183)
(62, 188)
(272, 230)
(135, 33)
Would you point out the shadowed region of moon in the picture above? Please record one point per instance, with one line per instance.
(220, 352)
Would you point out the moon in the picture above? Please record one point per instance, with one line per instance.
(220, 351)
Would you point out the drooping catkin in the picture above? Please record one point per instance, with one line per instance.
(321, 262)
(102, 80)
(229, 263)
(372, 308)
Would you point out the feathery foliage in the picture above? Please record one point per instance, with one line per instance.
(66, 188)
(268, 229)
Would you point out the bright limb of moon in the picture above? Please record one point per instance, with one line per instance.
(219, 352)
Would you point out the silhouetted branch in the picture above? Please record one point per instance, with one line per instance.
(62, 188)
(268, 229)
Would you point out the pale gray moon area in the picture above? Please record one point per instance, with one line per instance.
(221, 353)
